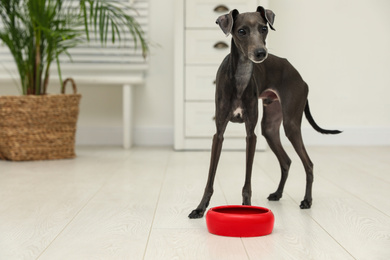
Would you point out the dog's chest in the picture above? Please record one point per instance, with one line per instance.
(242, 77)
(237, 111)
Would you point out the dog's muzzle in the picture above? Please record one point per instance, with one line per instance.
(258, 55)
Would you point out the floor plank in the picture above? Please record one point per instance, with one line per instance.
(193, 244)
(359, 227)
(183, 189)
(38, 200)
(296, 235)
(352, 172)
(116, 222)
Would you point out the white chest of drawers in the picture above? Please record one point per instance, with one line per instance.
(200, 47)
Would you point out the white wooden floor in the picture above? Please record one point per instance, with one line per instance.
(109, 203)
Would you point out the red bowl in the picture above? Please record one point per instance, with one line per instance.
(240, 221)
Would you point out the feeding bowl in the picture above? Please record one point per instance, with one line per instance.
(240, 221)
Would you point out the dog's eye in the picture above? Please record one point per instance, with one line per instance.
(264, 29)
(241, 32)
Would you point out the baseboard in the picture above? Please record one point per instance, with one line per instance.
(142, 136)
(153, 136)
(99, 136)
(351, 136)
(163, 136)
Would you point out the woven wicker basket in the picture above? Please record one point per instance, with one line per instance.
(39, 127)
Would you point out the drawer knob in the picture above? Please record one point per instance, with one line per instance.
(221, 45)
(221, 9)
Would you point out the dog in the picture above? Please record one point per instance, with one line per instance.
(250, 73)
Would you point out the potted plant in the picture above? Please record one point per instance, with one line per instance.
(35, 125)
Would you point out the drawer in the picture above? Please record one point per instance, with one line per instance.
(206, 47)
(200, 82)
(199, 121)
(204, 13)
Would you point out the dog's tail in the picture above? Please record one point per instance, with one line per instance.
(314, 124)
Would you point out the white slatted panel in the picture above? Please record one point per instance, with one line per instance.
(118, 60)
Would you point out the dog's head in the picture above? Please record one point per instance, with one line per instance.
(249, 31)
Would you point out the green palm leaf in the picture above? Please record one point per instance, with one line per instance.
(38, 31)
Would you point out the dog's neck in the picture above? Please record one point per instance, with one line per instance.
(242, 69)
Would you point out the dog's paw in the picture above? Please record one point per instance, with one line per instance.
(274, 196)
(196, 213)
(305, 204)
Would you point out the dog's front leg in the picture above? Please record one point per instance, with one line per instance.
(208, 191)
(251, 140)
(250, 152)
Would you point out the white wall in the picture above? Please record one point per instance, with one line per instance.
(341, 49)
(101, 109)
(154, 101)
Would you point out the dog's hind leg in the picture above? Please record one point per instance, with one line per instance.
(293, 133)
(270, 126)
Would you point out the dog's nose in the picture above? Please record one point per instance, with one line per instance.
(260, 53)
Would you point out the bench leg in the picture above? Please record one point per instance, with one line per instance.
(127, 116)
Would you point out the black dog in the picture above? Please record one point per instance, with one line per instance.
(250, 73)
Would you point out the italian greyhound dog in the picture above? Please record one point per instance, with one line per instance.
(250, 73)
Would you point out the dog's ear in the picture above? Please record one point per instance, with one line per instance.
(226, 21)
(268, 15)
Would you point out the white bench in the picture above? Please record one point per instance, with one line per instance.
(128, 84)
